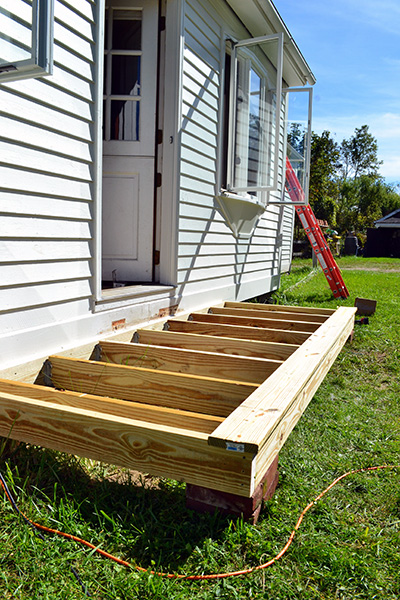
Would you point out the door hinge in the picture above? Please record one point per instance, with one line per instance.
(161, 24)
(156, 257)
(159, 136)
(158, 180)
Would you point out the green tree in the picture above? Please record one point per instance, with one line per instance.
(295, 137)
(363, 201)
(360, 154)
(324, 164)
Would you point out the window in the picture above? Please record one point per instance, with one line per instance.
(26, 38)
(122, 77)
(297, 138)
(254, 115)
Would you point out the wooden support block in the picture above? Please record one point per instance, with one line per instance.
(209, 500)
(157, 449)
(268, 314)
(193, 362)
(249, 333)
(274, 324)
(281, 308)
(173, 390)
(112, 406)
(222, 345)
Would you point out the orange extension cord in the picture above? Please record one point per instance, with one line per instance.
(212, 575)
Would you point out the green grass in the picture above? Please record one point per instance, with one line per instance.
(348, 546)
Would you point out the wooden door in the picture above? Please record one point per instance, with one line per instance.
(130, 90)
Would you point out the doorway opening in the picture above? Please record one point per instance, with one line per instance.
(129, 142)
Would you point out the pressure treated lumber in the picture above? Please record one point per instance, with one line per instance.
(281, 316)
(193, 362)
(254, 322)
(173, 390)
(222, 345)
(263, 413)
(119, 408)
(213, 432)
(158, 449)
(281, 308)
(250, 333)
(280, 434)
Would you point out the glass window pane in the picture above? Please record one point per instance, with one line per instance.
(16, 19)
(254, 129)
(254, 140)
(297, 131)
(125, 75)
(127, 30)
(125, 120)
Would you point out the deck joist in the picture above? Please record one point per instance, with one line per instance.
(209, 400)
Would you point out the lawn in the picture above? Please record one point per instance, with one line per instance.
(348, 546)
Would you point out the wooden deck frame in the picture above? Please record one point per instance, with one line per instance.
(210, 405)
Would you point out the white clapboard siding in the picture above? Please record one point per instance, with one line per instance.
(52, 92)
(33, 272)
(44, 294)
(187, 209)
(287, 243)
(80, 25)
(16, 251)
(28, 109)
(31, 227)
(23, 204)
(197, 186)
(73, 63)
(207, 260)
(40, 137)
(198, 171)
(46, 175)
(190, 155)
(73, 42)
(40, 183)
(217, 273)
(210, 257)
(191, 130)
(35, 159)
(85, 8)
(39, 319)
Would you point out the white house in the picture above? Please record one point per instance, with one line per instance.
(142, 162)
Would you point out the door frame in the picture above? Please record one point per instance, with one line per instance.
(167, 153)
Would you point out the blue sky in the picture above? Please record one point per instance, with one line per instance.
(353, 49)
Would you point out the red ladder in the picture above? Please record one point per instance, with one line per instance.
(315, 235)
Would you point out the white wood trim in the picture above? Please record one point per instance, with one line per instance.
(98, 149)
(171, 141)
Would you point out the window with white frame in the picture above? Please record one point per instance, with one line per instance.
(26, 38)
(122, 75)
(254, 115)
(297, 103)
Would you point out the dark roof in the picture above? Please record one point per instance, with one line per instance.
(392, 218)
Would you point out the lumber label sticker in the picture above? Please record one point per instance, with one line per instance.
(234, 447)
